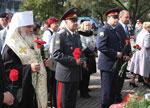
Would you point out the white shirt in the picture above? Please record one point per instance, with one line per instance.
(47, 38)
(123, 25)
(125, 29)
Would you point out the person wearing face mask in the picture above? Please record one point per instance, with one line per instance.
(89, 49)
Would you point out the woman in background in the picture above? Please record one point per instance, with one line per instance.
(141, 59)
(89, 49)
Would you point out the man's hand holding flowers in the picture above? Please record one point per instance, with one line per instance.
(119, 54)
(76, 55)
(126, 58)
(35, 67)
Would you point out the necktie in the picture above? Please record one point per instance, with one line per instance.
(127, 32)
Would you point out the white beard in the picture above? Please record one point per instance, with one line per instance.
(29, 38)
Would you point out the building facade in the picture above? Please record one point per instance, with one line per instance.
(9, 5)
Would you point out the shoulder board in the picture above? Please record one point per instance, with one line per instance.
(105, 26)
(61, 31)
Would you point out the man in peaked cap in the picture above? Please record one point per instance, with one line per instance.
(68, 70)
(109, 43)
(3, 22)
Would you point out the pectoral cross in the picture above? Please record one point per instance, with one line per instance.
(22, 50)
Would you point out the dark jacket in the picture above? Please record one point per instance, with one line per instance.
(108, 43)
(2, 85)
(66, 69)
(124, 37)
(22, 90)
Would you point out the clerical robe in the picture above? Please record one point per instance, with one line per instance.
(2, 85)
(22, 88)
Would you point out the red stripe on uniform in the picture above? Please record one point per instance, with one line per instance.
(59, 95)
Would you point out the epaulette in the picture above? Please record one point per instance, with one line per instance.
(105, 26)
(61, 31)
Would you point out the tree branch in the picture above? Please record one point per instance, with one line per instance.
(118, 1)
(143, 12)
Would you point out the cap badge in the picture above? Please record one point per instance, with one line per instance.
(75, 10)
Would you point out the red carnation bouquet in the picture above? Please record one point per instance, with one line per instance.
(13, 76)
(40, 46)
(119, 60)
(124, 65)
(76, 53)
(136, 48)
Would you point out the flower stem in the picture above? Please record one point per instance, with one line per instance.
(123, 67)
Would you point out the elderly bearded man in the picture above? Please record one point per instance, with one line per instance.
(20, 52)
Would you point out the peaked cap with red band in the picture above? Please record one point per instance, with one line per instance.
(71, 13)
(112, 12)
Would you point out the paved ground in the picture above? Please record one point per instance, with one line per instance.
(94, 101)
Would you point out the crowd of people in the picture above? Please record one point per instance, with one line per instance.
(49, 73)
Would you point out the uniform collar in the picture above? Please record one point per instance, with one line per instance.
(69, 31)
(111, 26)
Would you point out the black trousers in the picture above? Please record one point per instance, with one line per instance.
(108, 88)
(84, 83)
(67, 94)
(120, 81)
(51, 84)
(53, 89)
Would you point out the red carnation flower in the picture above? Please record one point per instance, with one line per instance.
(134, 46)
(131, 37)
(37, 41)
(127, 41)
(138, 47)
(42, 42)
(37, 38)
(76, 53)
(39, 46)
(13, 76)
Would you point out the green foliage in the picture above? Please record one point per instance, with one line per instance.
(43, 9)
(137, 101)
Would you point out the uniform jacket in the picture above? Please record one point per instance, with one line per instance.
(66, 69)
(123, 37)
(3, 34)
(108, 43)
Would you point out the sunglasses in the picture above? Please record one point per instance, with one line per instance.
(115, 16)
(74, 19)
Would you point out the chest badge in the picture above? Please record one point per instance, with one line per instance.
(57, 42)
(67, 33)
(101, 34)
